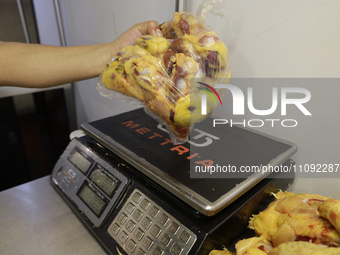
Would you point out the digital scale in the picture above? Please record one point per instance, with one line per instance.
(131, 186)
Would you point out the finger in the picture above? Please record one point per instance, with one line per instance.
(131, 35)
(149, 28)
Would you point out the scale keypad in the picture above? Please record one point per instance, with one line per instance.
(143, 227)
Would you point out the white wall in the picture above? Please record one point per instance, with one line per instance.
(282, 38)
(266, 39)
(92, 22)
(290, 39)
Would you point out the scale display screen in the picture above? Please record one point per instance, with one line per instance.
(80, 161)
(104, 182)
(90, 182)
(91, 199)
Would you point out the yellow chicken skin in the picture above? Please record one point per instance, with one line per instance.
(299, 224)
(158, 71)
(330, 210)
(303, 248)
(183, 23)
(250, 246)
(290, 248)
(192, 37)
(294, 217)
(253, 246)
(115, 72)
(222, 252)
(154, 45)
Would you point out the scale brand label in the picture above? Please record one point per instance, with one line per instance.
(71, 173)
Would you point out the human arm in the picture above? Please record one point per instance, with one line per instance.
(38, 66)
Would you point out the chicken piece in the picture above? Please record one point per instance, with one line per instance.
(253, 246)
(250, 246)
(208, 47)
(156, 46)
(193, 38)
(120, 74)
(295, 217)
(114, 77)
(184, 23)
(183, 69)
(158, 71)
(303, 248)
(221, 252)
(201, 44)
(148, 77)
(330, 210)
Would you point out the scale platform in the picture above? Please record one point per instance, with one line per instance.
(134, 190)
(144, 144)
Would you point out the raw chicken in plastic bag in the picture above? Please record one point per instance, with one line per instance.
(170, 74)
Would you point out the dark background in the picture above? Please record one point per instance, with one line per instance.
(32, 139)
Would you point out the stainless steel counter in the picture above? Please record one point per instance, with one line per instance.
(35, 220)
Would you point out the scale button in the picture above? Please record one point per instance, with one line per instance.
(136, 197)
(114, 229)
(122, 218)
(155, 231)
(173, 228)
(176, 249)
(139, 234)
(163, 219)
(137, 215)
(131, 246)
(153, 211)
(145, 204)
(140, 252)
(166, 239)
(147, 243)
(158, 251)
(129, 208)
(130, 226)
(123, 237)
(185, 237)
(146, 222)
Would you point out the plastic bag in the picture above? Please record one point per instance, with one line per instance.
(170, 74)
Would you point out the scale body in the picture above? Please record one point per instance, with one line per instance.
(131, 186)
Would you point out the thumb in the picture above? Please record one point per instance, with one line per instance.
(148, 28)
(144, 28)
(132, 34)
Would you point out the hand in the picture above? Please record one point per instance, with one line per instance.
(144, 28)
(130, 36)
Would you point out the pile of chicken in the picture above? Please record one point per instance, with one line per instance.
(158, 70)
(294, 224)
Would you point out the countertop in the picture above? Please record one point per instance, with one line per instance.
(35, 220)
